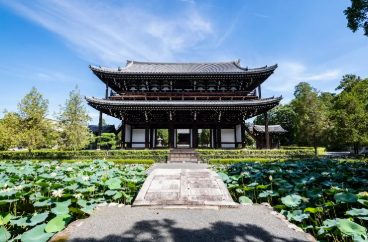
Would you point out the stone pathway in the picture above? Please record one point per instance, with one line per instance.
(246, 223)
(209, 213)
(183, 187)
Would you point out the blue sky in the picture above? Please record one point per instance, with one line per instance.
(49, 44)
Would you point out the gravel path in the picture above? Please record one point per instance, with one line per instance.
(246, 223)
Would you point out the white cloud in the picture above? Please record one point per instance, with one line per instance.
(289, 74)
(109, 34)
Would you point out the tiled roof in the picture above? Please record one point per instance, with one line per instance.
(271, 129)
(136, 67)
(178, 103)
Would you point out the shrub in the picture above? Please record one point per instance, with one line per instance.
(211, 154)
(156, 155)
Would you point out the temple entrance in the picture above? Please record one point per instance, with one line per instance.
(183, 138)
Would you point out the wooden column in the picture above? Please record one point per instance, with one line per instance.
(123, 127)
(151, 138)
(171, 136)
(194, 137)
(219, 137)
(214, 133)
(267, 135)
(242, 128)
(146, 138)
(100, 116)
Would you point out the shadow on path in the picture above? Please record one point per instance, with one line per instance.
(165, 230)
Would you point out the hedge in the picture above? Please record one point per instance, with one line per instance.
(237, 160)
(156, 155)
(211, 154)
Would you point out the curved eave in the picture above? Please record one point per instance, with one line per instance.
(181, 104)
(121, 71)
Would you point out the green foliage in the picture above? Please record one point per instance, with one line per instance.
(164, 135)
(10, 126)
(107, 141)
(118, 155)
(350, 112)
(285, 116)
(326, 198)
(312, 116)
(214, 155)
(73, 120)
(204, 137)
(38, 199)
(37, 131)
(357, 15)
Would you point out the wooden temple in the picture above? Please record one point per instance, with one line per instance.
(183, 98)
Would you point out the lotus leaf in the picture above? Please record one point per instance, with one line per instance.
(57, 224)
(5, 219)
(358, 212)
(38, 218)
(245, 200)
(296, 215)
(61, 207)
(350, 228)
(345, 197)
(4, 234)
(313, 210)
(37, 234)
(268, 193)
(292, 200)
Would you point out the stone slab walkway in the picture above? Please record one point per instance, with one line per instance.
(246, 223)
(183, 187)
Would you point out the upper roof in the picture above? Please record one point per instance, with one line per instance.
(138, 67)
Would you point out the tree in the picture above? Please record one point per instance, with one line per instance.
(350, 112)
(204, 137)
(73, 120)
(107, 141)
(312, 121)
(357, 15)
(36, 131)
(9, 131)
(285, 116)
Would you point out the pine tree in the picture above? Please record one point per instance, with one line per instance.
(73, 120)
(36, 130)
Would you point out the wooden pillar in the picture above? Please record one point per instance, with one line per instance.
(195, 137)
(267, 135)
(146, 138)
(214, 132)
(259, 92)
(151, 138)
(100, 116)
(218, 136)
(99, 131)
(171, 136)
(242, 127)
(123, 129)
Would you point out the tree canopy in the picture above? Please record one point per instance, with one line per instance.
(357, 15)
(73, 121)
(37, 130)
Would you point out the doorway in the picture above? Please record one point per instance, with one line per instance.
(183, 138)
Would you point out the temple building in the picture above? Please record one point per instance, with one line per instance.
(258, 134)
(183, 98)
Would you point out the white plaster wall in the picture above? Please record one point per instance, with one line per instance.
(138, 135)
(227, 135)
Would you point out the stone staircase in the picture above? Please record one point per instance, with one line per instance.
(183, 156)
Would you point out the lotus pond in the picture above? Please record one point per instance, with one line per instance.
(38, 199)
(328, 199)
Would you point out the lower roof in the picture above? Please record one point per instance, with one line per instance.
(131, 104)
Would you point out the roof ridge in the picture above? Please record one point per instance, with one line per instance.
(181, 63)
